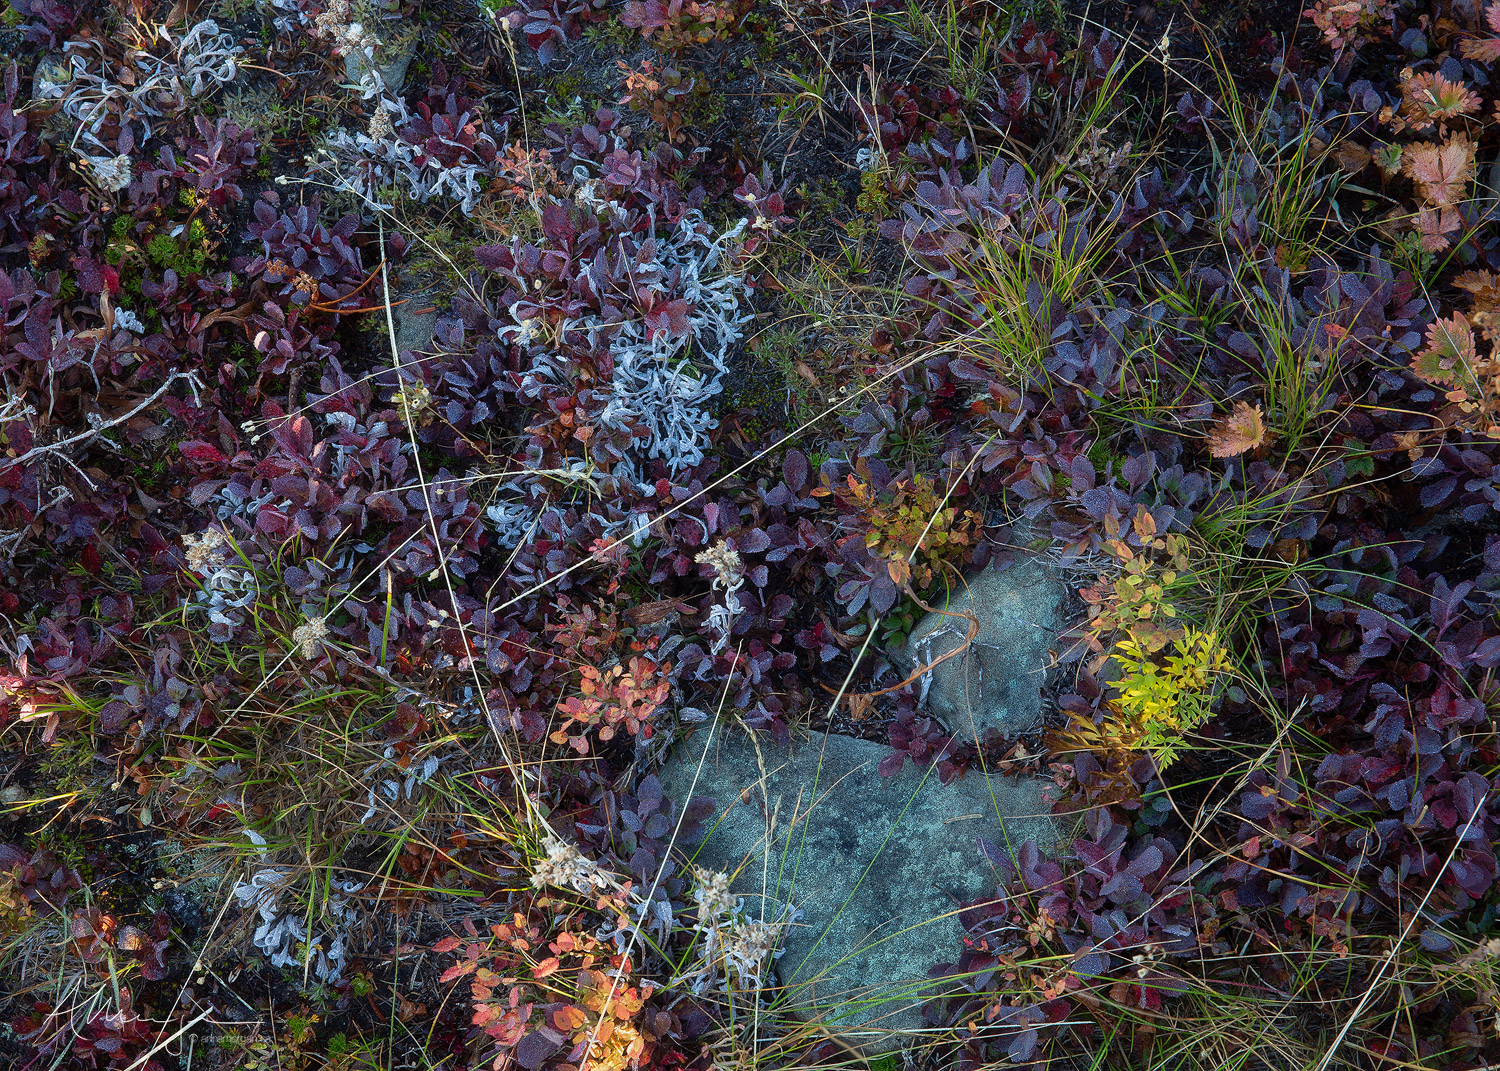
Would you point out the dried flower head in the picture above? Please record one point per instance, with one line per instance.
(712, 895)
(335, 22)
(380, 127)
(205, 549)
(749, 946)
(729, 569)
(729, 577)
(565, 867)
(309, 635)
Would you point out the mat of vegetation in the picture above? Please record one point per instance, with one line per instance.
(420, 415)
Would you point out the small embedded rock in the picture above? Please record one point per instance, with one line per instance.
(997, 682)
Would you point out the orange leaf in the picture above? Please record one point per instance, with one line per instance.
(1440, 171)
(569, 1018)
(458, 970)
(447, 944)
(1242, 430)
(1351, 157)
(1434, 225)
(547, 967)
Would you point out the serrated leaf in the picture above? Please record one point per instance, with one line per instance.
(1240, 431)
(1440, 171)
(1450, 353)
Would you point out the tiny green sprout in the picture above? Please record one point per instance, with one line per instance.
(1388, 158)
(299, 1027)
(874, 194)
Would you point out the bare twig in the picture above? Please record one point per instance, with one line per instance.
(62, 444)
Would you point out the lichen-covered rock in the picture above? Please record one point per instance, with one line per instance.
(415, 316)
(997, 682)
(392, 66)
(876, 866)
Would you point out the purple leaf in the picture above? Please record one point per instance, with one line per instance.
(1023, 1046)
(794, 469)
(533, 1049)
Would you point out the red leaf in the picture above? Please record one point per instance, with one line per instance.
(458, 970)
(1440, 171)
(201, 453)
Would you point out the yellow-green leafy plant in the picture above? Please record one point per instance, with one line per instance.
(1164, 695)
(1164, 672)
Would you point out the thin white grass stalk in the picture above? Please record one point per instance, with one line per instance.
(442, 558)
(1353, 1017)
(140, 1061)
(1196, 828)
(198, 966)
(271, 674)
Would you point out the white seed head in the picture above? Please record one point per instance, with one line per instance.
(309, 635)
(567, 868)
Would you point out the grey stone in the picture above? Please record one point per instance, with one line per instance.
(415, 318)
(997, 682)
(391, 66)
(876, 865)
(398, 43)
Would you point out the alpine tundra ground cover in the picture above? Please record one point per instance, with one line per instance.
(420, 417)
